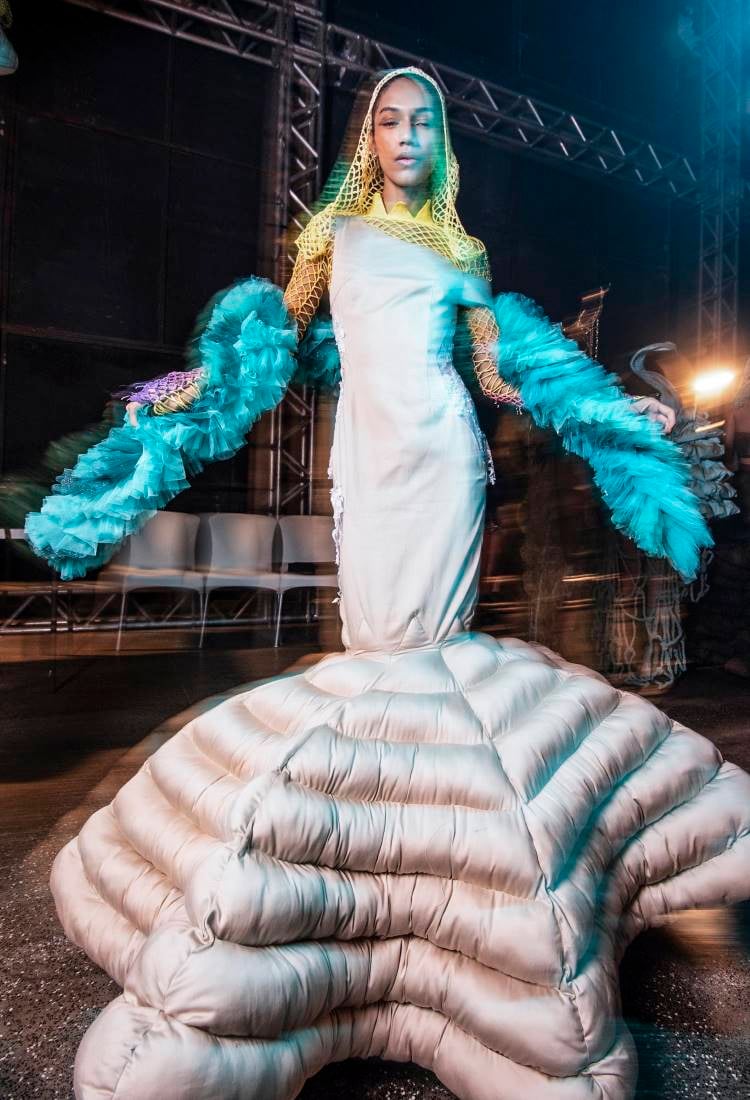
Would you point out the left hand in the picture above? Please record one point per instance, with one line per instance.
(656, 411)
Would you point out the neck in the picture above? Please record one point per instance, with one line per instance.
(414, 197)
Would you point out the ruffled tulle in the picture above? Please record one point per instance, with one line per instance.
(245, 343)
(641, 474)
(319, 363)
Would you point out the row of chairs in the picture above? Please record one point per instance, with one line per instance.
(206, 553)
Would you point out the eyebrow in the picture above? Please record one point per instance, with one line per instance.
(416, 110)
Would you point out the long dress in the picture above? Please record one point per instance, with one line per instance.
(409, 462)
(434, 846)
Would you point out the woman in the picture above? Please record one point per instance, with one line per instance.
(436, 845)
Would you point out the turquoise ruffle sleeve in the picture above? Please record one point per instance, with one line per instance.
(245, 343)
(641, 474)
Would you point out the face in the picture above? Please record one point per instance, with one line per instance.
(407, 131)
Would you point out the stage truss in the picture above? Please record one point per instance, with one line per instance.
(722, 26)
(309, 55)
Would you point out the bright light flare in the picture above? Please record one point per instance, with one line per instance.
(710, 383)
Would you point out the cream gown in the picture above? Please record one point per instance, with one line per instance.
(434, 846)
(409, 462)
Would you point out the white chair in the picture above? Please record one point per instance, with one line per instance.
(235, 550)
(161, 555)
(306, 539)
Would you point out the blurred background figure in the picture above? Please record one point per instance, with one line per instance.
(643, 602)
(723, 632)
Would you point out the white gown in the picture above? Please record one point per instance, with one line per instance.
(432, 847)
(409, 462)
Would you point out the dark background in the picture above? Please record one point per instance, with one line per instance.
(134, 171)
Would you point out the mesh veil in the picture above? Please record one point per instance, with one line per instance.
(357, 177)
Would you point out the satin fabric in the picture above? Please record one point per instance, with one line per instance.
(409, 462)
(432, 847)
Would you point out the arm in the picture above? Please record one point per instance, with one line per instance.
(657, 411)
(242, 353)
(643, 477)
(173, 392)
(309, 281)
(176, 392)
(484, 335)
(318, 363)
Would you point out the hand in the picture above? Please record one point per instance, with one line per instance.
(131, 409)
(656, 411)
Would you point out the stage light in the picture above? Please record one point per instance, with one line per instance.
(710, 383)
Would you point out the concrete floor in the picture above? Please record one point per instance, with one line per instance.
(72, 731)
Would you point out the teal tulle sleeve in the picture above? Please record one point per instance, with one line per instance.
(642, 475)
(245, 348)
(318, 360)
(245, 344)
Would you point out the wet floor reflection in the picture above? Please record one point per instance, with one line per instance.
(686, 999)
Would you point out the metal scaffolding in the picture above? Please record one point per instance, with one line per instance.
(479, 107)
(721, 33)
(309, 54)
(518, 121)
(297, 183)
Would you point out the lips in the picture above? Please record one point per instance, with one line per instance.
(406, 160)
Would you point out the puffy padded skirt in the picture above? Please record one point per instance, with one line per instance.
(437, 855)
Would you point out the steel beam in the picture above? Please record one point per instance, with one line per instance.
(309, 54)
(721, 44)
(514, 120)
(259, 31)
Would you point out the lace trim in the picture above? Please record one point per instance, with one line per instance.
(460, 401)
(337, 493)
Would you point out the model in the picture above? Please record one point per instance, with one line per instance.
(435, 845)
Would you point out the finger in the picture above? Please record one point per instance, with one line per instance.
(666, 419)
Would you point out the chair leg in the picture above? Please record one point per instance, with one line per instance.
(122, 617)
(204, 616)
(279, 601)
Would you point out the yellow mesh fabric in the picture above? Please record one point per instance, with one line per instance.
(363, 180)
(436, 226)
(484, 335)
(309, 281)
(179, 400)
(355, 189)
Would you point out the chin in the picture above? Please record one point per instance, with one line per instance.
(408, 177)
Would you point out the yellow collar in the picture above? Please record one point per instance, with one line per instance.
(400, 211)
